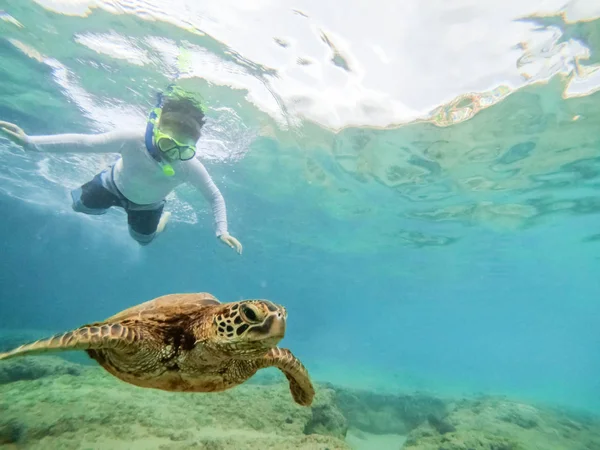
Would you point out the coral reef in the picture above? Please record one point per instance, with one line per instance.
(35, 368)
(491, 423)
(45, 404)
(386, 413)
(49, 403)
(326, 417)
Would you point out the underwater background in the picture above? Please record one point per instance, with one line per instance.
(417, 184)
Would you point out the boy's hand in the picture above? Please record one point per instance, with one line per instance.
(14, 133)
(226, 238)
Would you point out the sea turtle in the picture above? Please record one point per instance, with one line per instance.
(187, 342)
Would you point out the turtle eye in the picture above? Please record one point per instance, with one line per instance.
(249, 313)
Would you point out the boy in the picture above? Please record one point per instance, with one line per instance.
(150, 167)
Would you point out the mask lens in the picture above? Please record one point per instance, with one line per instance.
(186, 153)
(172, 154)
(166, 144)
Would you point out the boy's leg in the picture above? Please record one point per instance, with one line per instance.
(162, 223)
(143, 224)
(93, 198)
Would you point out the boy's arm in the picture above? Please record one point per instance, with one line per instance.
(110, 142)
(199, 177)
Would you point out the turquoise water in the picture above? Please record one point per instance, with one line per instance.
(423, 200)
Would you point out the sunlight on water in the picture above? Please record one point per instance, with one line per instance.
(403, 63)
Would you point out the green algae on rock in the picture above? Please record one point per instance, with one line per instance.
(48, 403)
(326, 417)
(91, 409)
(491, 423)
(388, 413)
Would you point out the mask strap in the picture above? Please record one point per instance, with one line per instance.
(149, 138)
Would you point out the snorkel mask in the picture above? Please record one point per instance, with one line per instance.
(159, 143)
(172, 148)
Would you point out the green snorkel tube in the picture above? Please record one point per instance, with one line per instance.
(172, 91)
(153, 120)
(183, 64)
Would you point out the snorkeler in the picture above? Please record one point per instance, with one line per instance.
(150, 167)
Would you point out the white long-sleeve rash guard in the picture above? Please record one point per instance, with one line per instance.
(136, 174)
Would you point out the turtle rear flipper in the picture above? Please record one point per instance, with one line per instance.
(301, 387)
(84, 338)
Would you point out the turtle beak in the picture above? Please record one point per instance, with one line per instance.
(271, 331)
(278, 327)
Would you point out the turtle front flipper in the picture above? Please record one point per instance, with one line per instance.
(297, 375)
(84, 338)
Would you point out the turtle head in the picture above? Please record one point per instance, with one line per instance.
(248, 328)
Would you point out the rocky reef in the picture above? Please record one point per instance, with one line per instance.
(491, 423)
(49, 403)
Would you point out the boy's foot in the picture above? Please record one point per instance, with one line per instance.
(162, 223)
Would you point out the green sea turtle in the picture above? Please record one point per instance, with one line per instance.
(187, 343)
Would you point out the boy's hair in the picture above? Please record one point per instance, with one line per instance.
(183, 103)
